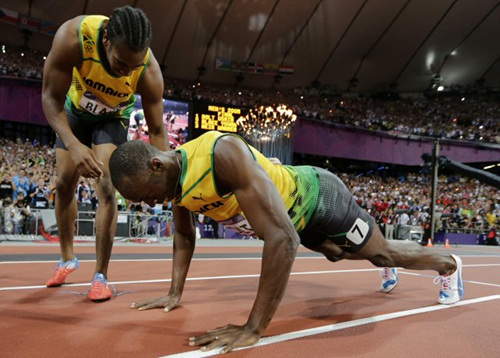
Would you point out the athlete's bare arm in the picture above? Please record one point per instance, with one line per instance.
(57, 74)
(150, 88)
(237, 171)
(184, 243)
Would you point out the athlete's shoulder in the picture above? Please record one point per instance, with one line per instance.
(70, 27)
(94, 17)
(229, 139)
(65, 50)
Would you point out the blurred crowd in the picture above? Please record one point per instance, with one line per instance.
(28, 173)
(470, 117)
(28, 183)
(462, 204)
(473, 117)
(21, 63)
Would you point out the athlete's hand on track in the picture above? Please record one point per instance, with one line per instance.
(87, 164)
(230, 336)
(168, 302)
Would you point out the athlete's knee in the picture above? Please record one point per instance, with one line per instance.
(65, 185)
(106, 190)
(336, 257)
(382, 260)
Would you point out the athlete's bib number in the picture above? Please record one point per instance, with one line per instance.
(357, 233)
(92, 104)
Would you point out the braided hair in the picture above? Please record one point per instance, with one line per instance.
(131, 26)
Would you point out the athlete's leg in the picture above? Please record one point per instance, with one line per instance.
(406, 254)
(106, 214)
(65, 202)
(339, 218)
(334, 253)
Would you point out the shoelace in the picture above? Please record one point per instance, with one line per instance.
(59, 272)
(59, 269)
(445, 282)
(386, 273)
(102, 284)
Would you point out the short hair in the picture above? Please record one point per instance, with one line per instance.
(130, 25)
(131, 159)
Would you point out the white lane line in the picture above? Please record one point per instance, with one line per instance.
(337, 326)
(467, 281)
(483, 283)
(14, 288)
(481, 265)
(402, 271)
(220, 259)
(53, 262)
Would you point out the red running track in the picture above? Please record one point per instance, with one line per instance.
(341, 300)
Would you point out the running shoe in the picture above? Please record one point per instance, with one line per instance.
(62, 271)
(452, 286)
(99, 291)
(389, 279)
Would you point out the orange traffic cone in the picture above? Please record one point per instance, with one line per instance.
(447, 243)
(429, 243)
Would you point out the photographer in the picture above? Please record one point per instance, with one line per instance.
(7, 226)
(19, 214)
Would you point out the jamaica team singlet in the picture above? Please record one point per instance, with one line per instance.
(298, 186)
(95, 93)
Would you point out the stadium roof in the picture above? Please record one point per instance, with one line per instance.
(356, 45)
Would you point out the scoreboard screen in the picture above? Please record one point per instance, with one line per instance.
(214, 117)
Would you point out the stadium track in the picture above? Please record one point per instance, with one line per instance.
(329, 309)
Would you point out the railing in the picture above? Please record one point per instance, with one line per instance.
(131, 226)
(145, 227)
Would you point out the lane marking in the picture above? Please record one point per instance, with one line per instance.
(467, 281)
(14, 288)
(336, 327)
(207, 278)
(156, 260)
(202, 259)
(480, 265)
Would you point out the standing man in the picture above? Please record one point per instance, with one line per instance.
(95, 66)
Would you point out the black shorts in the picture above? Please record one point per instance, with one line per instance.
(104, 131)
(337, 217)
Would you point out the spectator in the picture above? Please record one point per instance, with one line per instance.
(22, 183)
(20, 212)
(404, 218)
(40, 195)
(7, 186)
(121, 203)
(7, 225)
(85, 198)
(82, 186)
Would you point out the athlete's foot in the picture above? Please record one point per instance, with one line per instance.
(99, 291)
(61, 272)
(389, 279)
(452, 287)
